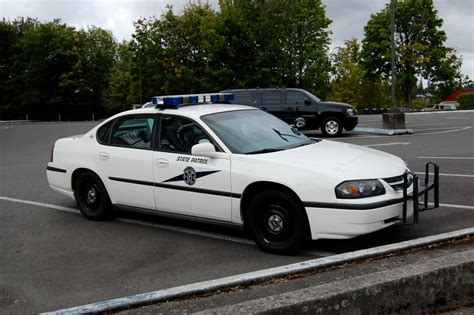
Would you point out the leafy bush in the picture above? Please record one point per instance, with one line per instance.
(419, 103)
(466, 101)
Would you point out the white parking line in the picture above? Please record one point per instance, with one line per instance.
(448, 175)
(356, 137)
(40, 204)
(184, 230)
(387, 144)
(139, 222)
(229, 238)
(447, 157)
(443, 128)
(440, 132)
(448, 205)
(413, 125)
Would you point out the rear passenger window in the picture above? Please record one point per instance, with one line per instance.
(133, 131)
(295, 98)
(271, 98)
(244, 97)
(104, 132)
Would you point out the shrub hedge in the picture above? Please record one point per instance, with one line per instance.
(466, 101)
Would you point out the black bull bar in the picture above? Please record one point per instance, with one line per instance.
(421, 191)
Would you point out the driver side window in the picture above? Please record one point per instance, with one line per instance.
(179, 134)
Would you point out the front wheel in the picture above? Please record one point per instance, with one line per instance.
(331, 127)
(277, 223)
(91, 197)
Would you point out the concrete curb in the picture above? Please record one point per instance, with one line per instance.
(259, 276)
(386, 132)
(422, 286)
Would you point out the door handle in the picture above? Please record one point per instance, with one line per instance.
(289, 108)
(103, 155)
(162, 162)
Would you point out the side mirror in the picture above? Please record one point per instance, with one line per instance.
(300, 122)
(307, 101)
(203, 149)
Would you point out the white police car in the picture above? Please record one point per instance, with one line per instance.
(234, 165)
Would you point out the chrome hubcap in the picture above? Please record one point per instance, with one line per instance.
(91, 195)
(275, 223)
(332, 127)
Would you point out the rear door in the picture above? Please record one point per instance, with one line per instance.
(272, 102)
(245, 97)
(125, 161)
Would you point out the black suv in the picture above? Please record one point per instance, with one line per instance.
(301, 108)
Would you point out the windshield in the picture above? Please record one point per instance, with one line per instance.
(254, 131)
(314, 96)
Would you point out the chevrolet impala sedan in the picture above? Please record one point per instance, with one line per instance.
(196, 157)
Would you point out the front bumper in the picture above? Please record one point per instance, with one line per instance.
(342, 221)
(350, 122)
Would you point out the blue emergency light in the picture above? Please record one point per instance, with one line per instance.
(170, 101)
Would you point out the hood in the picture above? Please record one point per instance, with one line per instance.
(337, 159)
(336, 104)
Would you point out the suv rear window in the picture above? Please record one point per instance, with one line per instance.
(271, 98)
(244, 97)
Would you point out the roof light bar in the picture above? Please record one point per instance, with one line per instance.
(176, 100)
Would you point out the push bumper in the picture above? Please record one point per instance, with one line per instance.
(421, 191)
(342, 221)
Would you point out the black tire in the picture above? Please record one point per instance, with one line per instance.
(277, 223)
(331, 127)
(91, 197)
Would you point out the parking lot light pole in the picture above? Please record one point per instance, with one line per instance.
(395, 119)
(392, 49)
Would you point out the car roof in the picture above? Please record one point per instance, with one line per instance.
(192, 111)
(264, 89)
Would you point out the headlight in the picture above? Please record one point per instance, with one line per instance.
(350, 112)
(359, 189)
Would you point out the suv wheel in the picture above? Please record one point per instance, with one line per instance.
(331, 127)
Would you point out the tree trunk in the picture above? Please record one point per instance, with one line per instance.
(407, 95)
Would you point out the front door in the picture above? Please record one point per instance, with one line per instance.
(296, 100)
(185, 184)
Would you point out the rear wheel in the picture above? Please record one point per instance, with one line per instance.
(331, 127)
(91, 197)
(277, 223)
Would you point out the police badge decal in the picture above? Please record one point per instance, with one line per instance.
(189, 176)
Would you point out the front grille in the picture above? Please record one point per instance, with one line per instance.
(397, 182)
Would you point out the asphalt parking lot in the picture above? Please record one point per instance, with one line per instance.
(52, 258)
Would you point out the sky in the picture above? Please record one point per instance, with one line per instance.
(349, 17)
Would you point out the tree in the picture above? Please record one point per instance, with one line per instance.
(305, 46)
(48, 54)
(420, 47)
(350, 84)
(119, 93)
(11, 67)
(274, 43)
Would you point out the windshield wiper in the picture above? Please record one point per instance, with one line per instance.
(283, 135)
(279, 134)
(267, 150)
